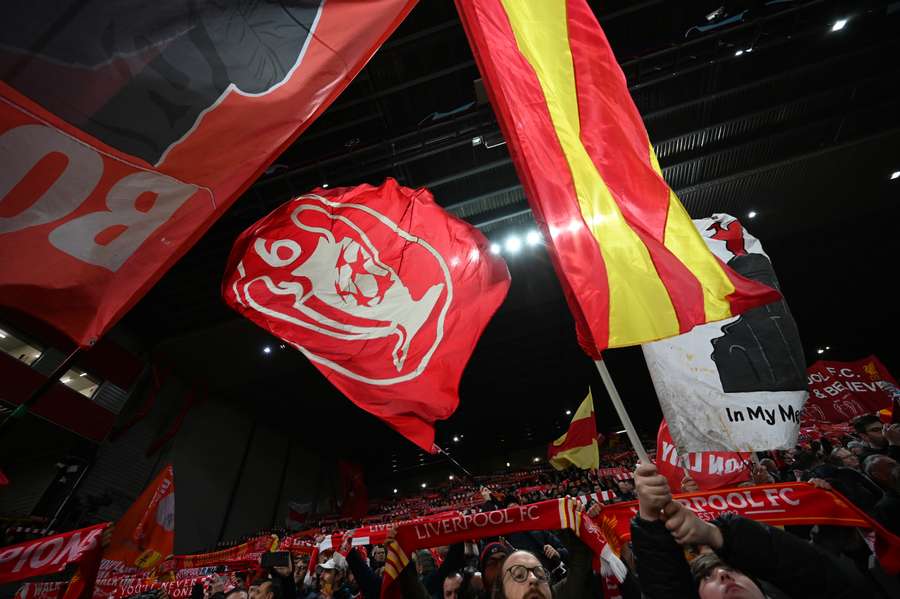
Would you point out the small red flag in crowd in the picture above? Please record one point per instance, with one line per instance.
(384, 291)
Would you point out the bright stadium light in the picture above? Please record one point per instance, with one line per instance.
(895, 175)
(739, 53)
(495, 248)
(450, 477)
(536, 460)
(513, 244)
(533, 237)
(455, 439)
(839, 24)
(507, 464)
(751, 214)
(568, 412)
(267, 350)
(395, 491)
(423, 485)
(820, 351)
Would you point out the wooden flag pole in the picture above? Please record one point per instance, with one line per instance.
(623, 414)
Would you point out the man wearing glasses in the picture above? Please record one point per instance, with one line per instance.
(523, 577)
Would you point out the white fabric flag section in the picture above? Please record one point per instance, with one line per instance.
(737, 384)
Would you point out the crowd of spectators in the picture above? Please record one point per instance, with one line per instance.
(732, 556)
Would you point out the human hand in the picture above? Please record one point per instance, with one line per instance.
(346, 543)
(652, 490)
(595, 510)
(820, 483)
(892, 433)
(689, 485)
(760, 475)
(688, 529)
(551, 553)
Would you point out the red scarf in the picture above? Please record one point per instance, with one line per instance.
(554, 514)
(779, 505)
(49, 555)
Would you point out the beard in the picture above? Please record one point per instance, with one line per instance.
(537, 593)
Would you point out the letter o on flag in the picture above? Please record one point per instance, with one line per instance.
(44, 554)
(717, 502)
(497, 520)
(484, 519)
(736, 500)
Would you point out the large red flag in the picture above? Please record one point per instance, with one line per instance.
(127, 128)
(841, 391)
(380, 288)
(145, 535)
(632, 265)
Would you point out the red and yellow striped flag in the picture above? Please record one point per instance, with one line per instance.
(578, 447)
(631, 263)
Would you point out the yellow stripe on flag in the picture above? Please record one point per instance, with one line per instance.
(563, 522)
(639, 304)
(570, 510)
(683, 240)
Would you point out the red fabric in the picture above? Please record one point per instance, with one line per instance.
(115, 221)
(782, 504)
(245, 554)
(711, 469)
(355, 495)
(533, 141)
(145, 534)
(581, 433)
(380, 288)
(553, 514)
(613, 134)
(840, 391)
(3, 480)
(48, 555)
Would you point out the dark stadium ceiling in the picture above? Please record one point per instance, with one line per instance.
(785, 112)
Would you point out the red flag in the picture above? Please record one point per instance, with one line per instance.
(355, 496)
(125, 133)
(145, 534)
(51, 554)
(630, 262)
(710, 469)
(384, 291)
(840, 391)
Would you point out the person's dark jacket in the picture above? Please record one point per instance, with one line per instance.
(577, 583)
(852, 484)
(887, 511)
(369, 583)
(454, 562)
(286, 584)
(797, 568)
(534, 541)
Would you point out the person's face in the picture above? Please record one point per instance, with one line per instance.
(491, 566)
(723, 582)
(451, 586)
(327, 577)
(625, 486)
(848, 459)
(530, 588)
(263, 591)
(857, 451)
(378, 554)
(874, 434)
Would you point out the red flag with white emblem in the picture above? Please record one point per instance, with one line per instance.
(384, 291)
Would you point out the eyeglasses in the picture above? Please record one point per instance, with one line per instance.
(520, 573)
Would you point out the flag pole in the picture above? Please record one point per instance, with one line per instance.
(623, 414)
(457, 464)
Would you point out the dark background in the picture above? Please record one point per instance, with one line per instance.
(803, 129)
